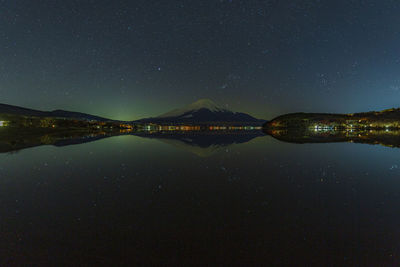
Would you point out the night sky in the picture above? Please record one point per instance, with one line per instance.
(140, 58)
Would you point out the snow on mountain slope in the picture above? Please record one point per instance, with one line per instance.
(203, 111)
(199, 104)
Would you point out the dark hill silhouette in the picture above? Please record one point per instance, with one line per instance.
(15, 110)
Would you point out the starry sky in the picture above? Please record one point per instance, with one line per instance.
(132, 59)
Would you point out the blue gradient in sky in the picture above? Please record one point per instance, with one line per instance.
(133, 59)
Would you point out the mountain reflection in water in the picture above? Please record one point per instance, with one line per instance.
(145, 199)
(201, 143)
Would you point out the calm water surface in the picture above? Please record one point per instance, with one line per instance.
(131, 199)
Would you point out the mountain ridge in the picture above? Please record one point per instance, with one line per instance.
(197, 105)
(203, 111)
(17, 110)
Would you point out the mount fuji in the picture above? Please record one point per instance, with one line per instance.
(204, 111)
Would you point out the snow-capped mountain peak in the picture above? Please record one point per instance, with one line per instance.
(198, 105)
(203, 112)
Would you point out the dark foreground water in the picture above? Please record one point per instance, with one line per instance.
(148, 201)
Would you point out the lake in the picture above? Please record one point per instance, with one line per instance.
(244, 199)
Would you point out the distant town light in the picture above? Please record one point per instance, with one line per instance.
(2, 123)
